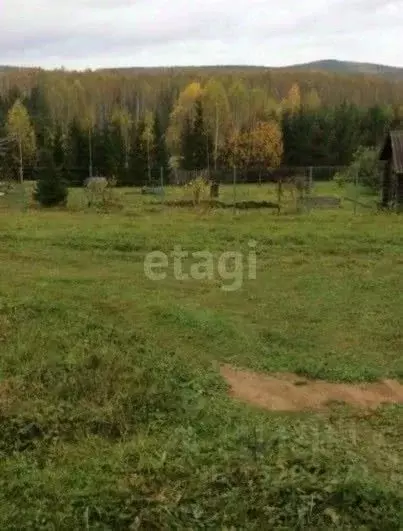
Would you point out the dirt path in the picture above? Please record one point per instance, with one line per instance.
(289, 392)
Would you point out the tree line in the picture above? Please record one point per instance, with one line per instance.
(133, 125)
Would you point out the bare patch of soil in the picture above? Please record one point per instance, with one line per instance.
(289, 392)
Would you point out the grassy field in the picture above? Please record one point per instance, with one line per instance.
(113, 413)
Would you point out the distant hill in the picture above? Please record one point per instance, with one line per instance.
(349, 67)
(8, 68)
(328, 65)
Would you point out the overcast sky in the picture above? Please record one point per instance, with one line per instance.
(105, 33)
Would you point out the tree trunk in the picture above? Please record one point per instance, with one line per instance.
(148, 161)
(21, 161)
(208, 156)
(90, 152)
(217, 129)
(127, 150)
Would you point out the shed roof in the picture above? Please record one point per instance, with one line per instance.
(393, 149)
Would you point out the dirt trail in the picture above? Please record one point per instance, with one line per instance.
(289, 392)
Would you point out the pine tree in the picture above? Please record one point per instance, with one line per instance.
(100, 166)
(113, 152)
(187, 146)
(59, 155)
(50, 189)
(160, 155)
(137, 174)
(77, 153)
(196, 142)
(347, 118)
(39, 110)
(202, 143)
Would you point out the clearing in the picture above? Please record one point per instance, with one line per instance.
(289, 392)
(113, 411)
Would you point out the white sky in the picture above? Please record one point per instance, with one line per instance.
(106, 33)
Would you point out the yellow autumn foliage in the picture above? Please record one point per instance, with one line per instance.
(294, 100)
(198, 188)
(183, 108)
(262, 146)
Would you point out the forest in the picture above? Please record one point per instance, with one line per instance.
(131, 123)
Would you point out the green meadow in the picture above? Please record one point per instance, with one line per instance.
(113, 413)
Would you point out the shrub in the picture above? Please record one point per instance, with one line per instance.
(364, 170)
(100, 192)
(199, 188)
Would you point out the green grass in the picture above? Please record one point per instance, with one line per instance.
(113, 414)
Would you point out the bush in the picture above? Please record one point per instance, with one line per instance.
(199, 189)
(364, 170)
(100, 192)
(51, 190)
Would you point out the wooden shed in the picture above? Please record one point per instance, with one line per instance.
(392, 155)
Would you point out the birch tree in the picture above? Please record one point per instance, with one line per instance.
(261, 146)
(87, 119)
(122, 119)
(239, 104)
(217, 114)
(293, 101)
(148, 139)
(20, 129)
(183, 110)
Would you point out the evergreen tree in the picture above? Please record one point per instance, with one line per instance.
(13, 95)
(59, 155)
(347, 119)
(38, 108)
(137, 173)
(187, 147)
(113, 150)
(100, 166)
(296, 137)
(50, 189)
(196, 142)
(202, 143)
(77, 154)
(374, 125)
(160, 155)
(3, 113)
